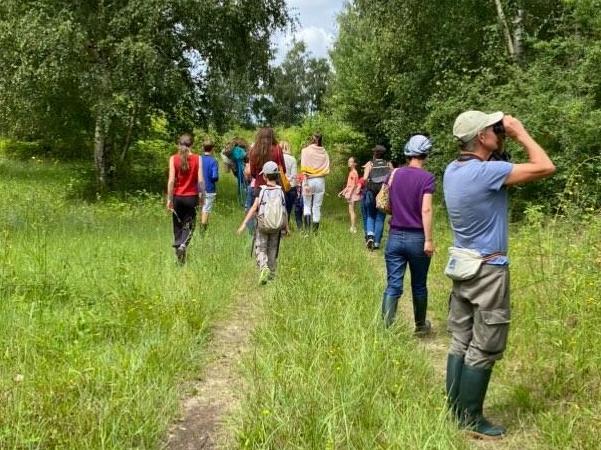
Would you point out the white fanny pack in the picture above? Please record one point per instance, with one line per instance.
(463, 263)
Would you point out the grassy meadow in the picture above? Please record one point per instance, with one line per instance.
(98, 327)
(100, 330)
(325, 374)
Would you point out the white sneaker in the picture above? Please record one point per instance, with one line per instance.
(353, 230)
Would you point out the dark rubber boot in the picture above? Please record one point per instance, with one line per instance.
(180, 253)
(423, 327)
(307, 223)
(389, 305)
(454, 370)
(472, 392)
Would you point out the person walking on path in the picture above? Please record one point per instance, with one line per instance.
(315, 165)
(185, 189)
(270, 209)
(210, 170)
(352, 192)
(376, 173)
(475, 192)
(235, 157)
(410, 237)
(264, 149)
(291, 174)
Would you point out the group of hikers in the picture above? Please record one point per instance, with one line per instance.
(476, 198)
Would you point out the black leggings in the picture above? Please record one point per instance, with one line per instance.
(184, 219)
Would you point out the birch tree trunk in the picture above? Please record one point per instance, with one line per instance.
(100, 152)
(518, 34)
(505, 28)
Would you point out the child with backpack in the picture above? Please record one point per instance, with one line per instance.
(270, 209)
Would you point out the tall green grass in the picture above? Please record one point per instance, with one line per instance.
(325, 374)
(99, 330)
(98, 327)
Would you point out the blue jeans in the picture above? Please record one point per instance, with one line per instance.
(373, 220)
(290, 201)
(250, 199)
(406, 247)
(298, 210)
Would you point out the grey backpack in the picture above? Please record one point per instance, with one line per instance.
(271, 216)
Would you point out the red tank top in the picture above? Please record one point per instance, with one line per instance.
(186, 183)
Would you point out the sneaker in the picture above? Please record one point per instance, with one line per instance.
(264, 275)
(370, 243)
(376, 246)
(352, 230)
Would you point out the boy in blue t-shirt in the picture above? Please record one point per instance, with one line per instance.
(210, 169)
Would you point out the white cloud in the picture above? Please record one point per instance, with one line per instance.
(317, 27)
(318, 41)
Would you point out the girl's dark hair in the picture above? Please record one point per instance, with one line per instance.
(379, 151)
(261, 151)
(184, 143)
(316, 138)
(272, 176)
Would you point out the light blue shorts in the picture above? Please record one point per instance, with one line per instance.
(209, 201)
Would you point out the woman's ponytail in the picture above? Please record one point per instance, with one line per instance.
(184, 143)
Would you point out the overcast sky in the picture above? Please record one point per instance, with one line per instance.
(317, 26)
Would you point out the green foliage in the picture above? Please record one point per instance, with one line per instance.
(295, 89)
(339, 139)
(74, 71)
(403, 67)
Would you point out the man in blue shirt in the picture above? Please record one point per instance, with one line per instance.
(210, 169)
(475, 191)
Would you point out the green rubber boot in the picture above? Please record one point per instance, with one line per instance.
(389, 305)
(423, 327)
(454, 370)
(472, 392)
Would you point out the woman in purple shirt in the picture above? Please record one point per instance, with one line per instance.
(410, 237)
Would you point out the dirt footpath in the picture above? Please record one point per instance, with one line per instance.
(219, 390)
